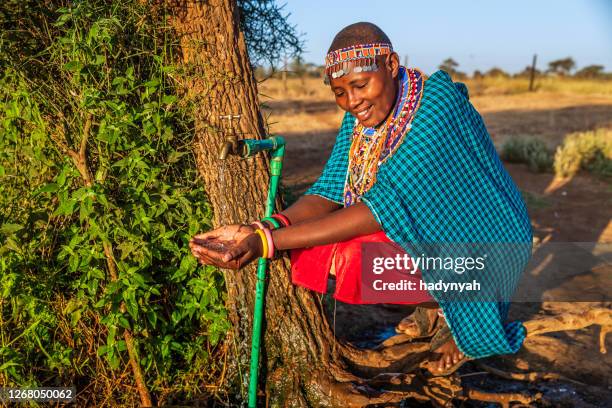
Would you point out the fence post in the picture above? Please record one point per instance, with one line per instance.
(532, 74)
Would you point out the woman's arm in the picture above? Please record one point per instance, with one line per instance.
(335, 226)
(309, 207)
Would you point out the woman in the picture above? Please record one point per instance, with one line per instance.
(413, 165)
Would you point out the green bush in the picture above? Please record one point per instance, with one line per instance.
(96, 83)
(530, 151)
(591, 151)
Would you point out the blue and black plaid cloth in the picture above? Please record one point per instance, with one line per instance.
(445, 184)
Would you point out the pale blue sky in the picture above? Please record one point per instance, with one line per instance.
(478, 34)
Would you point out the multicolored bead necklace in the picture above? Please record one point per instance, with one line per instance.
(372, 147)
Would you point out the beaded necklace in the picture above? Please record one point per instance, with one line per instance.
(372, 147)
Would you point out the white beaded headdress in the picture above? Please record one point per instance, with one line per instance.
(358, 58)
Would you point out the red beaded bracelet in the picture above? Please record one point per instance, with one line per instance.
(282, 218)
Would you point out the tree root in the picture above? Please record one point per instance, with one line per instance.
(501, 398)
(574, 321)
(531, 376)
(397, 387)
(402, 358)
(439, 391)
(389, 373)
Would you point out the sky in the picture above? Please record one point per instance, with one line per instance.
(478, 34)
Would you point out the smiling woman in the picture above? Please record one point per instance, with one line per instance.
(369, 93)
(412, 165)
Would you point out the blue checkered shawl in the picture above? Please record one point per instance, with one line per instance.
(446, 184)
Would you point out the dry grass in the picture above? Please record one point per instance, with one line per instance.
(302, 122)
(557, 85)
(314, 88)
(307, 89)
(558, 107)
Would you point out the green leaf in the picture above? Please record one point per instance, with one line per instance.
(8, 364)
(175, 156)
(92, 287)
(168, 99)
(126, 248)
(66, 207)
(85, 209)
(61, 178)
(47, 188)
(139, 280)
(110, 338)
(123, 322)
(10, 228)
(102, 199)
(93, 32)
(100, 59)
(63, 18)
(96, 273)
(113, 360)
(176, 317)
(74, 66)
(148, 128)
(131, 305)
(152, 84)
(152, 317)
(121, 346)
(100, 303)
(75, 317)
(80, 193)
(73, 262)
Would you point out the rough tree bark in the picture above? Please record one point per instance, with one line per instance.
(302, 363)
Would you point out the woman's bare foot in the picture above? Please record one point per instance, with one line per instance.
(450, 355)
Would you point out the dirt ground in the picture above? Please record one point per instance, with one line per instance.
(578, 210)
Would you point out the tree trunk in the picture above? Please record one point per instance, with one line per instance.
(302, 364)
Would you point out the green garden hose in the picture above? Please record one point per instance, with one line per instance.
(276, 146)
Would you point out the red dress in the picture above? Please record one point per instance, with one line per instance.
(310, 268)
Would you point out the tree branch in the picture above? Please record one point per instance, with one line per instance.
(80, 161)
(145, 397)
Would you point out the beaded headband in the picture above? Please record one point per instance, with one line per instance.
(360, 57)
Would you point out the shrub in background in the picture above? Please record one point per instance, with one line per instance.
(591, 151)
(530, 151)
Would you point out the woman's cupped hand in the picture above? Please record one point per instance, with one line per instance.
(230, 246)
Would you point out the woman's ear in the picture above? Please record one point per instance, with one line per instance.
(392, 63)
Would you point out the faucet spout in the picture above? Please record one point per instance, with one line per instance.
(225, 150)
(230, 146)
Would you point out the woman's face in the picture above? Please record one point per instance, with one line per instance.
(369, 96)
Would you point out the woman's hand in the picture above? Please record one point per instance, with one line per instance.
(231, 246)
